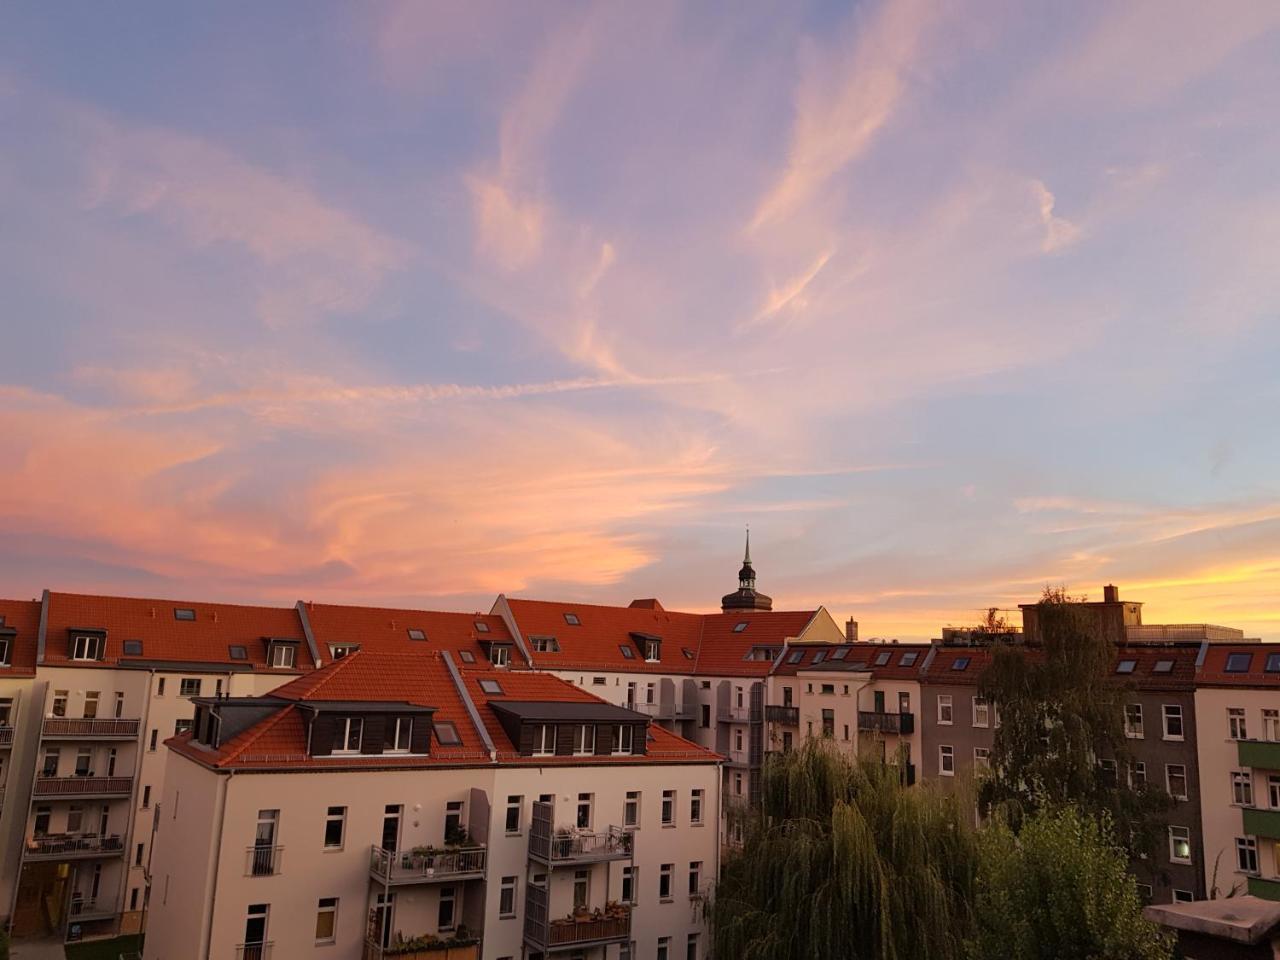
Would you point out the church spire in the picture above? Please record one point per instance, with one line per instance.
(746, 556)
(746, 597)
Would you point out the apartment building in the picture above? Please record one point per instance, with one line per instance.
(1237, 709)
(388, 801)
(862, 695)
(19, 719)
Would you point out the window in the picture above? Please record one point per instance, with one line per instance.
(839, 653)
(132, 648)
(515, 807)
(545, 644)
(237, 652)
(944, 709)
(1126, 666)
(883, 658)
(691, 948)
(1273, 663)
(1239, 662)
(740, 626)
(796, 656)
(1163, 666)
(982, 758)
(908, 659)
(467, 656)
(416, 634)
(1180, 844)
(340, 650)
(481, 626)
(664, 949)
(688, 654)
(84, 757)
(146, 796)
(75, 818)
(695, 807)
(599, 681)
(1270, 724)
(326, 919)
(397, 734)
(1273, 796)
(544, 740)
(447, 734)
(981, 712)
(1144, 892)
(1133, 721)
(960, 663)
(87, 648)
(138, 852)
(1242, 788)
(499, 656)
(119, 706)
(1182, 896)
(828, 688)
(1247, 854)
(350, 731)
(584, 740)
(1236, 724)
(946, 761)
(491, 686)
(151, 744)
(629, 884)
(335, 822)
(59, 708)
(581, 888)
(664, 881)
(1138, 774)
(737, 784)
(652, 651)
(91, 704)
(507, 897)
(445, 911)
(183, 613)
(1175, 780)
(283, 656)
(585, 802)
(182, 726)
(1172, 721)
(668, 808)
(624, 738)
(631, 809)
(189, 687)
(819, 656)
(828, 723)
(695, 877)
(572, 620)
(627, 652)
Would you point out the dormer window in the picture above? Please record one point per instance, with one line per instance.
(88, 647)
(572, 620)
(545, 644)
(4, 651)
(399, 734)
(350, 733)
(653, 650)
(624, 738)
(340, 650)
(544, 740)
(499, 655)
(284, 656)
(183, 613)
(584, 740)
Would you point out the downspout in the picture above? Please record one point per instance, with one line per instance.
(207, 934)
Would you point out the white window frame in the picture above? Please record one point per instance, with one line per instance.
(1242, 788)
(631, 809)
(1168, 781)
(284, 656)
(541, 747)
(345, 725)
(1184, 833)
(1270, 724)
(982, 758)
(1237, 723)
(1246, 851)
(946, 757)
(697, 799)
(981, 713)
(666, 877)
(509, 885)
(946, 717)
(668, 810)
(85, 647)
(332, 910)
(624, 739)
(341, 820)
(400, 725)
(584, 740)
(1167, 712)
(515, 803)
(1133, 730)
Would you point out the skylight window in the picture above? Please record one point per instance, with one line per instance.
(1126, 666)
(183, 613)
(883, 658)
(960, 663)
(447, 734)
(481, 627)
(840, 654)
(688, 654)
(237, 652)
(740, 626)
(908, 659)
(1163, 666)
(627, 651)
(467, 656)
(416, 634)
(796, 656)
(1239, 662)
(491, 686)
(1273, 663)
(133, 648)
(819, 657)
(572, 620)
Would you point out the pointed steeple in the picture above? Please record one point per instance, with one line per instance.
(746, 597)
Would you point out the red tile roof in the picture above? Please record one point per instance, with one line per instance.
(1178, 661)
(723, 650)
(860, 656)
(205, 639)
(943, 666)
(1213, 672)
(24, 617)
(386, 630)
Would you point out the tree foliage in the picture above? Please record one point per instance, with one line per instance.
(841, 862)
(1058, 889)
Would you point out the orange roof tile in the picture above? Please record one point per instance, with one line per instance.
(387, 630)
(22, 616)
(1262, 668)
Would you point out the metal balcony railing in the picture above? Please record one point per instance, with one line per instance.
(563, 846)
(108, 729)
(734, 714)
(427, 867)
(254, 951)
(262, 861)
(61, 845)
(83, 786)
(785, 715)
(659, 711)
(580, 929)
(884, 722)
(6, 735)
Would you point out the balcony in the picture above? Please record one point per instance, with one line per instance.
(1262, 823)
(898, 723)
(83, 909)
(789, 716)
(658, 711)
(73, 846)
(1266, 889)
(568, 846)
(76, 787)
(6, 736)
(261, 860)
(579, 930)
(1260, 754)
(61, 728)
(737, 758)
(422, 948)
(427, 866)
(254, 951)
(734, 714)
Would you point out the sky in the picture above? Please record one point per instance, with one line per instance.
(416, 303)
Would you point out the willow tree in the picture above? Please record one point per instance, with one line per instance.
(840, 861)
(1061, 713)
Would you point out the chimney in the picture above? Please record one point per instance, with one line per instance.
(851, 630)
(1111, 593)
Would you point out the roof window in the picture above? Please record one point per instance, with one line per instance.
(960, 663)
(627, 651)
(482, 627)
(740, 626)
(133, 648)
(183, 613)
(883, 658)
(1126, 666)
(491, 686)
(819, 657)
(840, 654)
(1273, 663)
(796, 656)
(572, 620)
(908, 658)
(237, 652)
(688, 654)
(1239, 662)
(1163, 666)
(416, 634)
(467, 656)
(447, 734)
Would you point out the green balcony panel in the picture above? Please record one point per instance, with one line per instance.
(1262, 823)
(1260, 754)
(1266, 889)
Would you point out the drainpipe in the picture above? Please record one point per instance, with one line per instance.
(206, 935)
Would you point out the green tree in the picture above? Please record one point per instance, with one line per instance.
(1059, 889)
(1061, 712)
(842, 862)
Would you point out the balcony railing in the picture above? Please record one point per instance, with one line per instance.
(89, 729)
(1262, 823)
(581, 929)
(902, 723)
(1261, 754)
(434, 866)
(83, 786)
(60, 846)
(734, 714)
(563, 846)
(737, 758)
(262, 861)
(254, 951)
(785, 715)
(1266, 889)
(443, 948)
(6, 735)
(659, 711)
